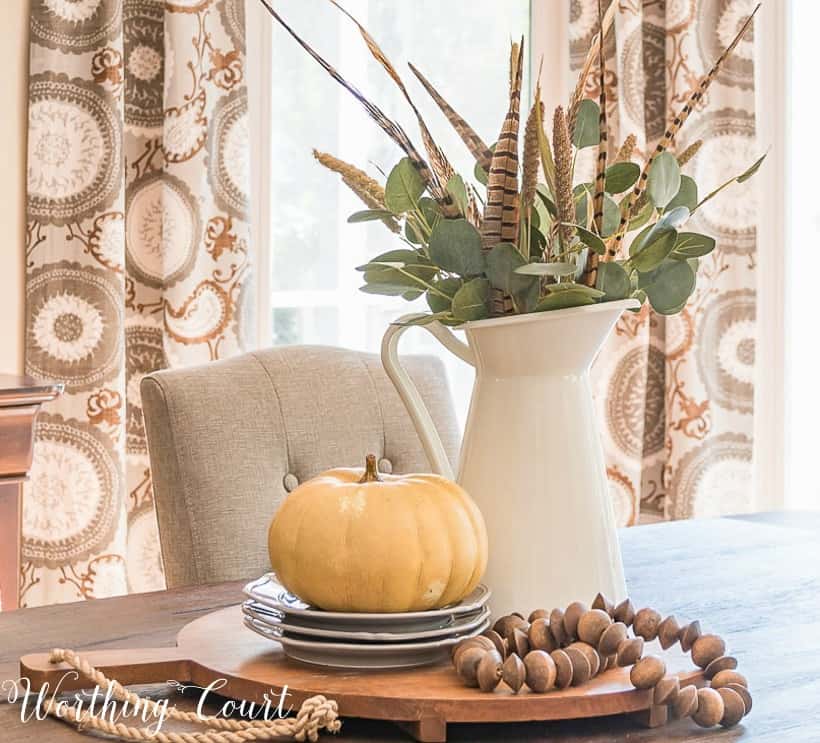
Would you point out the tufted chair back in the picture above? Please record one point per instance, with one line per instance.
(229, 440)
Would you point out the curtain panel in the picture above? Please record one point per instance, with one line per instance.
(137, 259)
(676, 393)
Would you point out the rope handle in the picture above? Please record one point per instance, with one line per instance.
(316, 713)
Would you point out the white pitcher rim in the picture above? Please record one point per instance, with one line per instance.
(621, 304)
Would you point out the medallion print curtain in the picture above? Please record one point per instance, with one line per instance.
(137, 259)
(676, 393)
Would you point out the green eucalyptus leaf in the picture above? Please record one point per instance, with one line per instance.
(369, 215)
(643, 216)
(390, 290)
(687, 194)
(671, 221)
(395, 258)
(412, 294)
(586, 131)
(431, 212)
(570, 295)
(470, 301)
(669, 286)
(554, 268)
(543, 194)
(458, 191)
(455, 246)
(664, 180)
(613, 281)
(612, 216)
(590, 239)
(502, 262)
(404, 187)
(448, 286)
(411, 277)
(621, 176)
(656, 251)
(751, 170)
(693, 245)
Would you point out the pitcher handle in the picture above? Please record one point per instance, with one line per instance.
(422, 420)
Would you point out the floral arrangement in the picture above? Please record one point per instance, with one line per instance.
(507, 242)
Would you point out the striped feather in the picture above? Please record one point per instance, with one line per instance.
(591, 267)
(501, 211)
(442, 170)
(392, 129)
(478, 149)
(694, 98)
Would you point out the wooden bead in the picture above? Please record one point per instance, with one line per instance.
(557, 627)
(668, 632)
(538, 614)
(688, 635)
(506, 625)
(724, 663)
(666, 691)
(572, 615)
(686, 702)
(646, 623)
(540, 671)
(710, 708)
(472, 642)
(607, 662)
(513, 672)
(724, 678)
(603, 603)
(518, 643)
(467, 664)
(563, 668)
(591, 654)
(733, 707)
(611, 638)
(497, 640)
(591, 626)
(540, 635)
(488, 672)
(706, 648)
(624, 612)
(647, 672)
(744, 695)
(581, 670)
(629, 651)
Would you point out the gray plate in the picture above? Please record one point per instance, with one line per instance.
(270, 618)
(268, 592)
(365, 655)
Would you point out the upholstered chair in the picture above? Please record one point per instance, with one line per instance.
(228, 440)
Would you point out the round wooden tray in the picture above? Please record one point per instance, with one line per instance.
(421, 700)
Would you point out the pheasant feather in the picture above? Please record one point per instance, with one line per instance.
(478, 149)
(591, 268)
(442, 169)
(501, 212)
(695, 95)
(392, 129)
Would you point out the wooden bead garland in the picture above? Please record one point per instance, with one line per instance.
(559, 648)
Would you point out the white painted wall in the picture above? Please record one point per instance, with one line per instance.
(13, 83)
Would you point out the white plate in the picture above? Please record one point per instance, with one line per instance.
(273, 619)
(268, 592)
(365, 655)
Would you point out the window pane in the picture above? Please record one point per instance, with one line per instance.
(462, 47)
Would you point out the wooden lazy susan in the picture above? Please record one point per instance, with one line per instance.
(422, 701)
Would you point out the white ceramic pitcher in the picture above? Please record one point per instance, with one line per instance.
(531, 455)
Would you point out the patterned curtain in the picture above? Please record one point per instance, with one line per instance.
(677, 393)
(137, 260)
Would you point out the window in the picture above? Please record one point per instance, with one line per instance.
(462, 47)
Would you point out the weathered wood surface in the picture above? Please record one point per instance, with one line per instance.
(755, 580)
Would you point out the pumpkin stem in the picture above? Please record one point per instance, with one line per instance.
(371, 469)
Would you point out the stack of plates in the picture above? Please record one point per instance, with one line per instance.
(355, 640)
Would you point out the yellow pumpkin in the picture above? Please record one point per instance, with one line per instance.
(348, 541)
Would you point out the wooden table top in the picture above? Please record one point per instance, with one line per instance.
(17, 389)
(755, 580)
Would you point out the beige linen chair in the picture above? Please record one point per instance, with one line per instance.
(228, 441)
